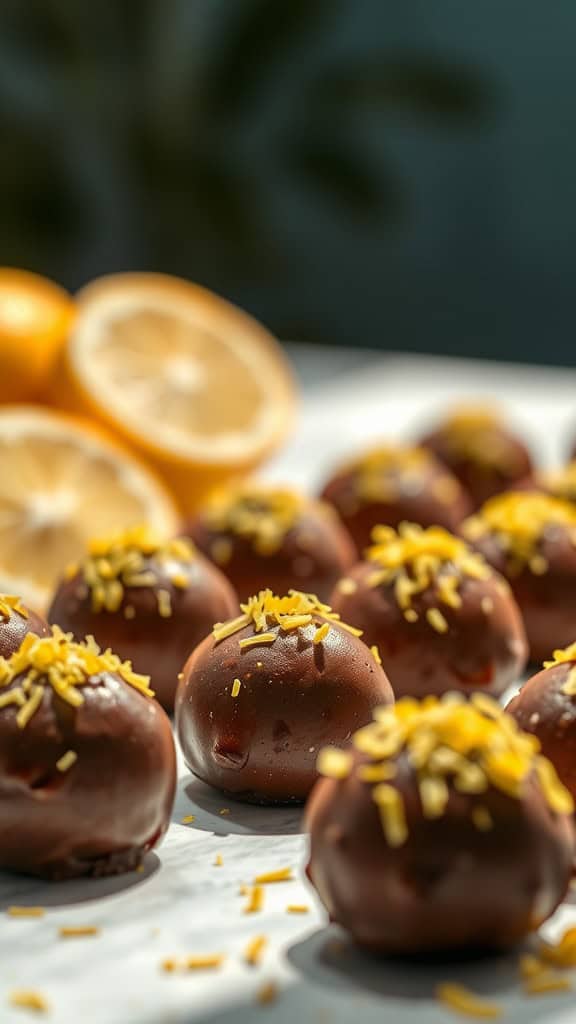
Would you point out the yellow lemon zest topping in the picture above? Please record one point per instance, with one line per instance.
(519, 520)
(9, 603)
(57, 662)
(413, 560)
(381, 474)
(260, 513)
(266, 610)
(133, 558)
(451, 744)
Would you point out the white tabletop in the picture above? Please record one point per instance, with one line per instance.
(183, 903)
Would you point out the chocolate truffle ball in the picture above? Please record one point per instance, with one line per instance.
(267, 536)
(87, 761)
(531, 539)
(481, 452)
(440, 616)
(392, 485)
(560, 483)
(150, 600)
(546, 707)
(16, 621)
(262, 694)
(440, 829)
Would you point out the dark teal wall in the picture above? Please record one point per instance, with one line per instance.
(358, 171)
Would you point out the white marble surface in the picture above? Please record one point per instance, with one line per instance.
(183, 903)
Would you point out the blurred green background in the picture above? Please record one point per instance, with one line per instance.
(361, 172)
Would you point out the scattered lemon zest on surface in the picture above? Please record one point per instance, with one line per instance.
(255, 899)
(462, 1000)
(80, 932)
(188, 819)
(268, 993)
(218, 860)
(297, 908)
(204, 962)
(29, 999)
(278, 875)
(25, 911)
(236, 686)
(200, 962)
(255, 950)
(546, 982)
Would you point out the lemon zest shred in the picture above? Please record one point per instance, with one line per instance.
(255, 950)
(278, 875)
(255, 899)
(518, 520)
(462, 1000)
(29, 999)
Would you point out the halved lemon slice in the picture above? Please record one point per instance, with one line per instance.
(199, 387)
(61, 483)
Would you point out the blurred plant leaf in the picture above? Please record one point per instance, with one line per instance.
(418, 85)
(207, 189)
(331, 167)
(254, 41)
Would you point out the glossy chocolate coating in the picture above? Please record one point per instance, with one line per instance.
(295, 697)
(548, 601)
(450, 886)
(156, 646)
(16, 627)
(543, 709)
(313, 555)
(416, 501)
(482, 650)
(483, 479)
(113, 805)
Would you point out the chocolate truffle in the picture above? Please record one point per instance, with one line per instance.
(150, 600)
(87, 761)
(546, 707)
(481, 452)
(440, 616)
(442, 828)
(560, 483)
(531, 539)
(262, 694)
(391, 485)
(16, 621)
(266, 536)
